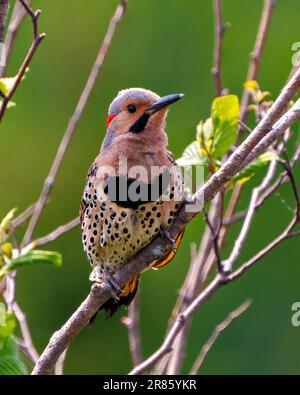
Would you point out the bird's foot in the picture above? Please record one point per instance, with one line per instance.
(164, 233)
(114, 287)
(107, 279)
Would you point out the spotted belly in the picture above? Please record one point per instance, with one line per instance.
(112, 234)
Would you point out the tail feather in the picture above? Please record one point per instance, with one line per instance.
(125, 298)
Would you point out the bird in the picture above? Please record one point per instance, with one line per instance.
(133, 191)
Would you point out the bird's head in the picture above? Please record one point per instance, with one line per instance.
(139, 111)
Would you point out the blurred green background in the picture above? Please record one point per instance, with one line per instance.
(165, 46)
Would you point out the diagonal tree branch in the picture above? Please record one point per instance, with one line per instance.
(37, 39)
(220, 29)
(53, 235)
(219, 329)
(132, 324)
(16, 20)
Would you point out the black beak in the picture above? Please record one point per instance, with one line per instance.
(163, 102)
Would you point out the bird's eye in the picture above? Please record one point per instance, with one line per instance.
(131, 108)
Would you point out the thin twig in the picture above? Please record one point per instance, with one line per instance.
(219, 33)
(245, 127)
(37, 39)
(228, 263)
(16, 20)
(59, 366)
(281, 179)
(215, 239)
(20, 219)
(13, 306)
(54, 234)
(26, 335)
(291, 116)
(216, 333)
(256, 54)
(289, 170)
(286, 234)
(4, 5)
(132, 324)
(48, 184)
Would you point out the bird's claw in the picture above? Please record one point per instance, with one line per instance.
(114, 287)
(164, 233)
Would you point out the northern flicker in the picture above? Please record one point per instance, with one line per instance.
(133, 190)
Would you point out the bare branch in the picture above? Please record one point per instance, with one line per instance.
(4, 5)
(20, 219)
(48, 184)
(292, 115)
(249, 217)
(59, 366)
(289, 170)
(286, 234)
(132, 324)
(282, 178)
(215, 239)
(27, 342)
(219, 32)
(54, 235)
(37, 39)
(257, 52)
(16, 20)
(217, 332)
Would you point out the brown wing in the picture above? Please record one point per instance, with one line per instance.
(171, 157)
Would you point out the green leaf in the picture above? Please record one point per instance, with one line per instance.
(7, 329)
(10, 360)
(251, 84)
(7, 249)
(225, 116)
(5, 223)
(35, 257)
(205, 136)
(191, 156)
(250, 171)
(10, 104)
(6, 84)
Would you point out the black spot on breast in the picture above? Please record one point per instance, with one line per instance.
(131, 193)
